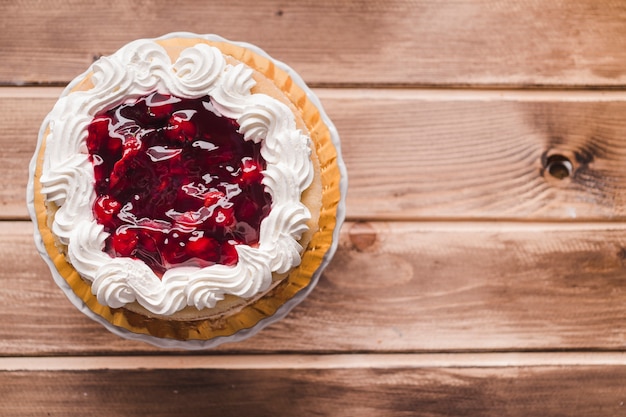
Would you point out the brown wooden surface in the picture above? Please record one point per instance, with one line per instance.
(396, 42)
(470, 279)
(401, 391)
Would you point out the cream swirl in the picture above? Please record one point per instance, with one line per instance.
(87, 254)
(68, 180)
(197, 70)
(231, 96)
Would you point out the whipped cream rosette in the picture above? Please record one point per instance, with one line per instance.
(187, 190)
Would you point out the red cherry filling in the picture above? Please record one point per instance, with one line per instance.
(176, 183)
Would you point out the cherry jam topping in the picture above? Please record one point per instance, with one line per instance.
(175, 182)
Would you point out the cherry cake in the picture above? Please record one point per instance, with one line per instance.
(187, 190)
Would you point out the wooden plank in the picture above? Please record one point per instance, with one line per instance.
(392, 287)
(409, 390)
(574, 43)
(424, 154)
(429, 156)
(22, 111)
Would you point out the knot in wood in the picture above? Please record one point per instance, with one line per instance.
(362, 235)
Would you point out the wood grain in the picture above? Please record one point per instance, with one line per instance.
(392, 287)
(424, 154)
(414, 156)
(405, 391)
(395, 42)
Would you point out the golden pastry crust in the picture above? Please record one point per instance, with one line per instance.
(233, 313)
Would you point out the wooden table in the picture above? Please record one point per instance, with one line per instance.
(482, 270)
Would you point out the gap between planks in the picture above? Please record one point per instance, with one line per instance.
(333, 361)
(409, 93)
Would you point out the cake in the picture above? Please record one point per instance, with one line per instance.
(187, 190)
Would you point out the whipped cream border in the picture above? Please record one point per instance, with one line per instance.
(135, 70)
